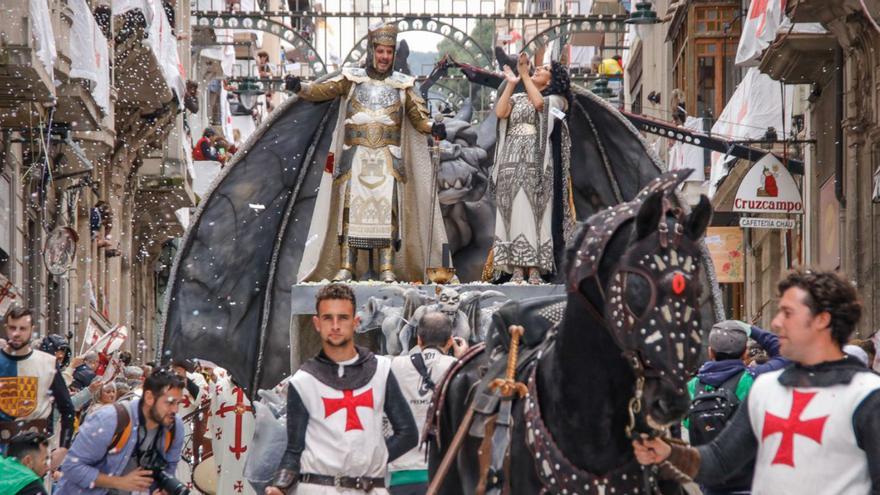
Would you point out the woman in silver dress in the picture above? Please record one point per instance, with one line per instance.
(524, 172)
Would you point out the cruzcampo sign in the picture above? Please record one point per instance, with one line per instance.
(768, 187)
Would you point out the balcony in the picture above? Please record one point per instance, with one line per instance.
(826, 11)
(801, 58)
(147, 64)
(26, 71)
(164, 186)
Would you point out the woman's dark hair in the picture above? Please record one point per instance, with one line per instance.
(560, 81)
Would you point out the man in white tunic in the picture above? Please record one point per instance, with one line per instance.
(335, 404)
(813, 427)
(417, 373)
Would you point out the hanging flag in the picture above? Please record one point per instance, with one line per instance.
(688, 156)
(759, 30)
(756, 105)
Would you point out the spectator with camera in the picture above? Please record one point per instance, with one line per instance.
(25, 464)
(132, 447)
(417, 373)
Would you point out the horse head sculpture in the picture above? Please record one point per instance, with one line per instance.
(648, 297)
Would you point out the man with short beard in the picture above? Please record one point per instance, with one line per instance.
(116, 444)
(375, 191)
(335, 404)
(31, 377)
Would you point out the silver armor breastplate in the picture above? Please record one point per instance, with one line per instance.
(376, 96)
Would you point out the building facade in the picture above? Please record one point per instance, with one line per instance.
(94, 160)
(842, 70)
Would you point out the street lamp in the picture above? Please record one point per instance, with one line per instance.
(248, 91)
(643, 14)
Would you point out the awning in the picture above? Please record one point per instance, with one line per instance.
(89, 54)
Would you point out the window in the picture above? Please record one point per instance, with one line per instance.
(715, 20)
(717, 76)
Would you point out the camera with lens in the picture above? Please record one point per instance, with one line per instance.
(153, 461)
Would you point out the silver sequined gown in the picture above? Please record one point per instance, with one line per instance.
(523, 193)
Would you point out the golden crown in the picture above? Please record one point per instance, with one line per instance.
(386, 34)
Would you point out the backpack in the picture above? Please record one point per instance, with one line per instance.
(123, 431)
(427, 385)
(711, 409)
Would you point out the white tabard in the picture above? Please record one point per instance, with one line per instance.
(806, 442)
(344, 435)
(418, 397)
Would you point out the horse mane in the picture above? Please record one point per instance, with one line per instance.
(582, 228)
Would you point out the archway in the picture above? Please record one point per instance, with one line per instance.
(226, 20)
(477, 53)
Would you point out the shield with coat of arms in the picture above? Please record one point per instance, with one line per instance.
(18, 395)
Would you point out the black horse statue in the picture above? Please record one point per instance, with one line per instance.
(615, 366)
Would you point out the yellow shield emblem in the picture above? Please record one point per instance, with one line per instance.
(18, 395)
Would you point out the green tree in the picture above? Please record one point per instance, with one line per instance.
(483, 34)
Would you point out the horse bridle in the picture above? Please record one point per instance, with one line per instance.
(627, 329)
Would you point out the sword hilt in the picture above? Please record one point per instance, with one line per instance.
(508, 385)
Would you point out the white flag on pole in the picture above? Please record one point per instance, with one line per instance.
(111, 341)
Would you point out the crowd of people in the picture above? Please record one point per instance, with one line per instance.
(214, 147)
(354, 417)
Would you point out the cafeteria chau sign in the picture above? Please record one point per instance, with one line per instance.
(768, 187)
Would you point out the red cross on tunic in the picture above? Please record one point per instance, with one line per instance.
(239, 408)
(350, 403)
(239, 486)
(793, 425)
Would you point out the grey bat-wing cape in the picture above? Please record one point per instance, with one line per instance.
(228, 298)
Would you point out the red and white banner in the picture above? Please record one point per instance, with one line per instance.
(9, 294)
(91, 337)
(759, 30)
(765, 20)
(110, 342)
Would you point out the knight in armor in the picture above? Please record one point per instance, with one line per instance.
(335, 407)
(32, 386)
(375, 195)
(813, 427)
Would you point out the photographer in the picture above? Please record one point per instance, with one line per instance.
(417, 373)
(132, 447)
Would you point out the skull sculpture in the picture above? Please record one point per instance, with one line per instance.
(449, 302)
